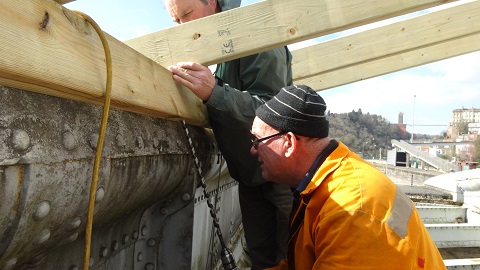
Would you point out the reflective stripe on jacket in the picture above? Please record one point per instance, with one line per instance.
(356, 218)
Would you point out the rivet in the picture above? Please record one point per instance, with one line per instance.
(114, 245)
(120, 141)
(186, 197)
(139, 142)
(72, 226)
(151, 242)
(155, 142)
(149, 266)
(42, 211)
(72, 237)
(20, 140)
(92, 141)
(135, 235)
(73, 267)
(69, 140)
(125, 238)
(10, 263)
(42, 237)
(103, 252)
(164, 211)
(100, 194)
(144, 230)
(140, 257)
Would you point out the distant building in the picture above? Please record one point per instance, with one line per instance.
(402, 128)
(468, 165)
(474, 128)
(464, 127)
(465, 116)
(464, 121)
(465, 152)
(433, 151)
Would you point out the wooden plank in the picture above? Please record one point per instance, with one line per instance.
(46, 48)
(261, 26)
(61, 2)
(409, 43)
(394, 63)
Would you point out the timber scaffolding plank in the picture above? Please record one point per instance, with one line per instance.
(66, 57)
(397, 46)
(64, 1)
(46, 48)
(265, 25)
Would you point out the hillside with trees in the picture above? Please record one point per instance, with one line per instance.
(476, 154)
(369, 135)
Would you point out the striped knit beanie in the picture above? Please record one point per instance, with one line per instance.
(298, 109)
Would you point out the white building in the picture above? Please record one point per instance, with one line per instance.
(463, 116)
(474, 128)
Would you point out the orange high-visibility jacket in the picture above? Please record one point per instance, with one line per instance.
(356, 218)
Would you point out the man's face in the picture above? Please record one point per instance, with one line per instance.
(183, 11)
(270, 152)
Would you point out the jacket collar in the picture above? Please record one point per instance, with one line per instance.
(334, 156)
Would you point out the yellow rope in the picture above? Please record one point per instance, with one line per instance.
(101, 137)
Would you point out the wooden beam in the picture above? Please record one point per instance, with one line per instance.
(46, 48)
(261, 26)
(393, 63)
(61, 2)
(409, 43)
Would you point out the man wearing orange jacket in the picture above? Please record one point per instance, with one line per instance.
(346, 213)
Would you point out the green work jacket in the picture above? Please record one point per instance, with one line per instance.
(242, 86)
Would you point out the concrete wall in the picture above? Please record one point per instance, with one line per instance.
(406, 176)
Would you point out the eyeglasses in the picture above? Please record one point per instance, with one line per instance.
(257, 140)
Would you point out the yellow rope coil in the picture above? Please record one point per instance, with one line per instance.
(101, 137)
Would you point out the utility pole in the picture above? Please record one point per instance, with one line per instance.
(413, 119)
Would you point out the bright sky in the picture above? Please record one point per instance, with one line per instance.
(426, 95)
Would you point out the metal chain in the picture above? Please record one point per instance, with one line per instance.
(229, 264)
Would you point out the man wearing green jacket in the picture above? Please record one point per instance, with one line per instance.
(232, 95)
